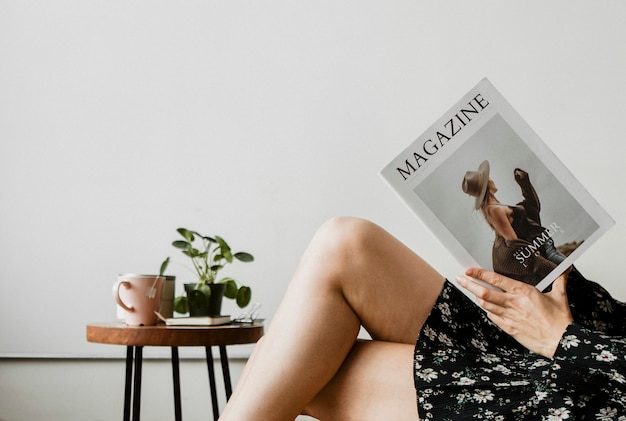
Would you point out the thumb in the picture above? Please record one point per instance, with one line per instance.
(559, 286)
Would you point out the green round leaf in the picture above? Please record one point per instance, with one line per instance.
(180, 244)
(205, 289)
(223, 244)
(231, 288)
(225, 252)
(242, 256)
(180, 305)
(188, 235)
(243, 296)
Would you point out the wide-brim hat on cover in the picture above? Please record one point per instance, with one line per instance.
(475, 183)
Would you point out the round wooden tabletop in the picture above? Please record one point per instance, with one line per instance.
(118, 333)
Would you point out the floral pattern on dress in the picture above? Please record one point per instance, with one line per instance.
(466, 368)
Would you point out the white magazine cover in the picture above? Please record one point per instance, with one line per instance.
(494, 194)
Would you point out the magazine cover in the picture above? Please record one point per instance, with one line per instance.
(494, 194)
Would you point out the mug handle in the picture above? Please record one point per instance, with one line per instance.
(116, 294)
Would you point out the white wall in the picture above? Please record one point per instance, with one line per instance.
(62, 390)
(257, 120)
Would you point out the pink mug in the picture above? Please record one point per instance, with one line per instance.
(139, 296)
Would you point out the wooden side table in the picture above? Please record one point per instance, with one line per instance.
(136, 337)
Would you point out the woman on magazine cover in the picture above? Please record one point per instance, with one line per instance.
(523, 249)
(524, 355)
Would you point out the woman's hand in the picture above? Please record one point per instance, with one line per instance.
(536, 320)
(520, 175)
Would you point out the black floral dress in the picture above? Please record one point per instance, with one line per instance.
(466, 368)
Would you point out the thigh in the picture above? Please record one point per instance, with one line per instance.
(393, 289)
(375, 382)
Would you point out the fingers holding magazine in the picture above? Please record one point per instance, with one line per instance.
(536, 320)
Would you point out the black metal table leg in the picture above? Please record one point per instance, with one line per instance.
(209, 361)
(176, 378)
(132, 387)
(128, 381)
(137, 383)
(226, 372)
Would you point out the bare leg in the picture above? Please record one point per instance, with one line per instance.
(353, 273)
(375, 382)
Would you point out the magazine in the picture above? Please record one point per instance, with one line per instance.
(494, 194)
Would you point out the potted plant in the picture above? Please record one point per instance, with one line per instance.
(209, 255)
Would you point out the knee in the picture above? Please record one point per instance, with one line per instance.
(345, 234)
(340, 250)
